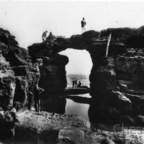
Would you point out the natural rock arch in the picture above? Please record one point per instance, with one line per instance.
(80, 62)
(103, 82)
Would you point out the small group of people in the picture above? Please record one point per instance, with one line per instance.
(50, 38)
(74, 83)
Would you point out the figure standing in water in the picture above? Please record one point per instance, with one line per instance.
(83, 23)
(79, 84)
(73, 83)
(76, 83)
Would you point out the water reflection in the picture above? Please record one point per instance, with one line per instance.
(53, 104)
(78, 109)
(82, 105)
(75, 104)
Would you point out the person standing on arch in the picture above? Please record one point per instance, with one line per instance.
(83, 23)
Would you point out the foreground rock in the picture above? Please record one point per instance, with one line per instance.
(63, 129)
(49, 127)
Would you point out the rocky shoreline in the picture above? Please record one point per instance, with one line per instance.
(111, 81)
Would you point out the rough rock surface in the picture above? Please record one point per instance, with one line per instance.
(53, 76)
(113, 102)
(48, 127)
(26, 79)
(7, 38)
(7, 84)
(130, 67)
(7, 93)
(24, 71)
(63, 129)
(90, 36)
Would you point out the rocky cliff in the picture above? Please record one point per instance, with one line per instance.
(53, 75)
(7, 83)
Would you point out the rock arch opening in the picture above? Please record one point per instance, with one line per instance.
(79, 66)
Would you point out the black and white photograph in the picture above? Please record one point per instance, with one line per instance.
(71, 72)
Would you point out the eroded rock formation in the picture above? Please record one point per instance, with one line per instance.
(7, 84)
(113, 102)
(53, 76)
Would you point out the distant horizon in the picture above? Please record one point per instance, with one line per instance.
(78, 74)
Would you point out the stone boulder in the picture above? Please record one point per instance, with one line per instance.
(48, 127)
(8, 119)
(119, 100)
(71, 135)
(107, 141)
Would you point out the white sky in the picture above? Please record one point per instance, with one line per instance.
(28, 19)
(79, 61)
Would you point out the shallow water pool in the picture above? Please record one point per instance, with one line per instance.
(78, 108)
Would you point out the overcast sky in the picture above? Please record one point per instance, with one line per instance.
(28, 19)
(79, 61)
